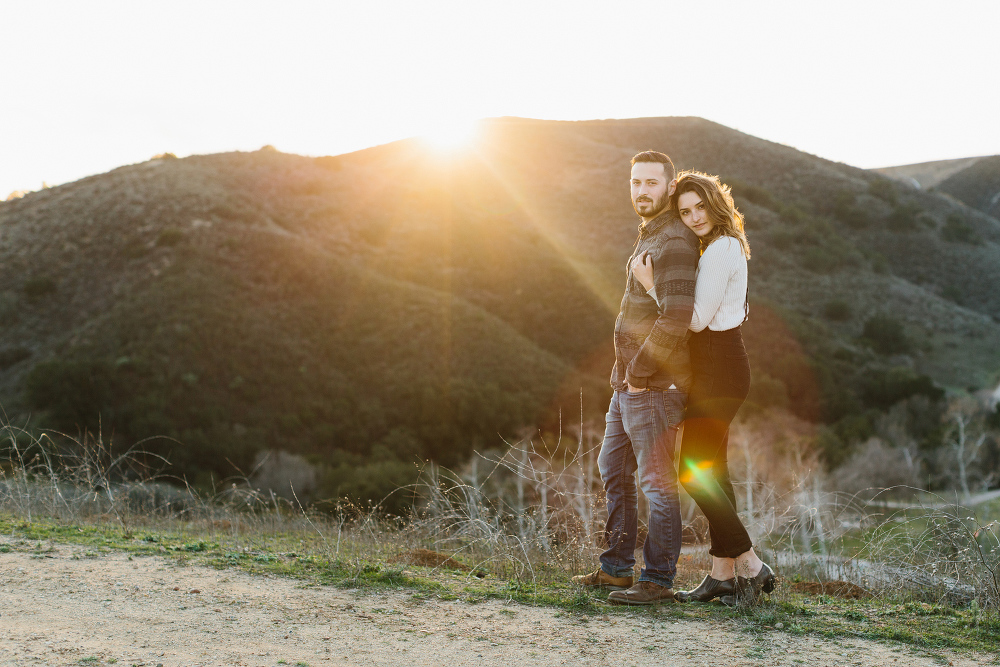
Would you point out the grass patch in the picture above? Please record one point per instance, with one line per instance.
(298, 556)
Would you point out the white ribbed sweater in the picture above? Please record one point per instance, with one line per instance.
(721, 288)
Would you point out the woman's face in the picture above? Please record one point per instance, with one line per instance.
(694, 214)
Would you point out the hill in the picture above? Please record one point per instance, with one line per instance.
(978, 185)
(973, 181)
(395, 302)
(927, 175)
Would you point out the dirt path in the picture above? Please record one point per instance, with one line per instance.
(71, 609)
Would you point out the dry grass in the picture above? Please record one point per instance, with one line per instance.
(531, 515)
(837, 589)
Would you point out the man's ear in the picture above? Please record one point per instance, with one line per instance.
(671, 188)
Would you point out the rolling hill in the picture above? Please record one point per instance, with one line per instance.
(367, 308)
(928, 175)
(973, 181)
(977, 185)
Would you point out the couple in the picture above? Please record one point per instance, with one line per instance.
(688, 273)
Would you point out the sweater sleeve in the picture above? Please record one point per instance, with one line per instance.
(674, 282)
(714, 273)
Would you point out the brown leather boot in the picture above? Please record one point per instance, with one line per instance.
(602, 579)
(643, 593)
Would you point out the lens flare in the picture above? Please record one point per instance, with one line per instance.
(697, 470)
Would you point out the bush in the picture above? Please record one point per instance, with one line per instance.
(855, 427)
(134, 249)
(388, 483)
(953, 293)
(170, 237)
(904, 218)
(837, 310)
(886, 388)
(847, 211)
(766, 391)
(957, 230)
(884, 189)
(828, 258)
(993, 420)
(873, 465)
(792, 213)
(753, 193)
(782, 239)
(833, 449)
(886, 335)
(880, 264)
(74, 392)
(11, 355)
(36, 288)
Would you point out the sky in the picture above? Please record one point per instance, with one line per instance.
(89, 86)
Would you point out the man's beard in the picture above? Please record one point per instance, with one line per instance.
(657, 207)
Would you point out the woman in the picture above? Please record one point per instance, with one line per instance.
(721, 383)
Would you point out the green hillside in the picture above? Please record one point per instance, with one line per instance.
(369, 308)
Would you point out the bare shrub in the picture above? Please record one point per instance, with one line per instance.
(68, 478)
(533, 512)
(535, 515)
(877, 465)
(939, 553)
(282, 472)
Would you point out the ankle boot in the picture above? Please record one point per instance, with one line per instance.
(749, 590)
(707, 590)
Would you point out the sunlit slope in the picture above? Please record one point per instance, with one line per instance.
(165, 301)
(821, 232)
(403, 300)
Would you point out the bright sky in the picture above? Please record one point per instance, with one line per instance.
(89, 86)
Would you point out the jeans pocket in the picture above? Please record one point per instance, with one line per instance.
(635, 394)
(674, 402)
(636, 409)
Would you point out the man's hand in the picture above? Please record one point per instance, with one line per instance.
(642, 270)
(635, 390)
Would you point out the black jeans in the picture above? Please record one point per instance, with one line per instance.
(721, 383)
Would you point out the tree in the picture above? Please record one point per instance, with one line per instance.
(965, 448)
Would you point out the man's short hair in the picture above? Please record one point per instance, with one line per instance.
(656, 156)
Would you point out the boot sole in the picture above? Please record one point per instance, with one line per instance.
(640, 603)
(700, 600)
(603, 587)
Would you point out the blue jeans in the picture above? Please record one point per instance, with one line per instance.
(639, 437)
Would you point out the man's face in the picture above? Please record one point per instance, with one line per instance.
(650, 189)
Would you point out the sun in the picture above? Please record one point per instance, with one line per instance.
(452, 135)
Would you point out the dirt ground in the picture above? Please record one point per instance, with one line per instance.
(70, 609)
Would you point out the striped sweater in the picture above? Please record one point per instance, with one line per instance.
(720, 294)
(651, 334)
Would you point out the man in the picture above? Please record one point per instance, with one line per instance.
(651, 378)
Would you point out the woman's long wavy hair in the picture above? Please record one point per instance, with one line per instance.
(718, 198)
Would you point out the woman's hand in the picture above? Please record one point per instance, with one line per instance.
(642, 270)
